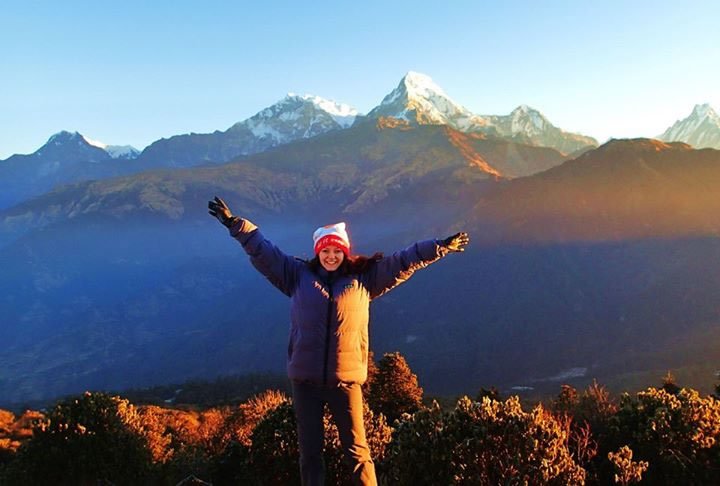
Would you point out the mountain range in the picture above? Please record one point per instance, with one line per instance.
(601, 265)
(416, 100)
(292, 118)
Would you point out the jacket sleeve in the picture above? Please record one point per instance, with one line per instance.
(280, 269)
(389, 272)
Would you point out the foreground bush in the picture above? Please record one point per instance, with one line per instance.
(589, 417)
(488, 442)
(92, 439)
(677, 434)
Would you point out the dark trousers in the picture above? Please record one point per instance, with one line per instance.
(346, 406)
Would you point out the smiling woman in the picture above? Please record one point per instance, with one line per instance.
(330, 296)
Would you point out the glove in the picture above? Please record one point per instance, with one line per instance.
(456, 242)
(220, 210)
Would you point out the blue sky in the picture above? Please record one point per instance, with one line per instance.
(132, 72)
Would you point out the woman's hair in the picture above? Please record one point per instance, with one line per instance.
(353, 264)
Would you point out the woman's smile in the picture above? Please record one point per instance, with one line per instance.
(331, 257)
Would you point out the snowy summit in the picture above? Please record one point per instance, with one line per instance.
(418, 99)
(115, 151)
(296, 117)
(701, 129)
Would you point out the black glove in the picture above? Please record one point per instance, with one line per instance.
(220, 210)
(456, 242)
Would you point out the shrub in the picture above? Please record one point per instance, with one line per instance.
(627, 471)
(488, 442)
(238, 426)
(232, 463)
(588, 418)
(90, 439)
(676, 433)
(421, 449)
(273, 456)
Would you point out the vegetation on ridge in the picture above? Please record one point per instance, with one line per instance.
(666, 435)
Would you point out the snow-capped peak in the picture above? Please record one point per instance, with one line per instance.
(527, 120)
(422, 85)
(342, 113)
(114, 151)
(418, 99)
(701, 128)
(296, 117)
(703, 111)
(523, 109)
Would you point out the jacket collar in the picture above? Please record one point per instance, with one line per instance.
(326, 276)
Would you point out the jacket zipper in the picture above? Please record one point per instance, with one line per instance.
(327, 333)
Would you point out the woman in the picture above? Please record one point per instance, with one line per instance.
(328, 345)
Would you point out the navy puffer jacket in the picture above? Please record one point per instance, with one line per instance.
(329, 313)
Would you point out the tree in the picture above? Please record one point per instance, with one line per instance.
(395, 389)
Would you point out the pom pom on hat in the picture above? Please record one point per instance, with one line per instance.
(332, 235)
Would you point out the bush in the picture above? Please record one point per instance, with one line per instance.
(421, 449)
(240, 423)
(181, 441)
(90, 439)
(488, 442)
(627, 471)
(273, 457)
(676, 433)
(588, 418)
(232, 464)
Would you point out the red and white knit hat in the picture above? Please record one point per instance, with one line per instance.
(332, 234)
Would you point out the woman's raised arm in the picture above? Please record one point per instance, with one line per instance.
(391, 271)
(280, 269)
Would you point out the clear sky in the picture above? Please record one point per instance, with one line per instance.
(131, 72)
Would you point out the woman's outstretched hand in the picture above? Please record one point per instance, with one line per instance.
(221, 211)
(456, 242)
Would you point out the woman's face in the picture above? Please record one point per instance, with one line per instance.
(331, 257)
